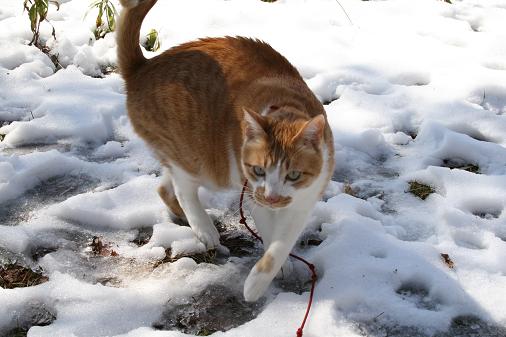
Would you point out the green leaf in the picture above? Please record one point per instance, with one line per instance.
(111, 19)
(25, 5)
(152, 41)
(98, 22)
(113, 8)
(32, 14)
(42, 8)
(55, 3)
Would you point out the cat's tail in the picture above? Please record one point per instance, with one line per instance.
(130, 56)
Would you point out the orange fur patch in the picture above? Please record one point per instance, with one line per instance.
(188, 105)
(265, 264)
(171, 201)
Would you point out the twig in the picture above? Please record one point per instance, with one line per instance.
(375, 318)
(344, 10)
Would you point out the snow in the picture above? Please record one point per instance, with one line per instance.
(410, 88)
(113, 208)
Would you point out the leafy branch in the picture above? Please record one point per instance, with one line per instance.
(152, 41)
(37, 13)
(106, 17)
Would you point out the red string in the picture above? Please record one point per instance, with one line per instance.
(311, 266)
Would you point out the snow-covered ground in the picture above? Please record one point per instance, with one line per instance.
(415, 90)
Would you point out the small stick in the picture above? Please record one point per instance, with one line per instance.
(344, 10)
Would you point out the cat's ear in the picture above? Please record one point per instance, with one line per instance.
(253, 124)
(312, 131)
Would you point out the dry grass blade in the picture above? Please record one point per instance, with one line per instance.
(206, 257)
(349, 190)
(15, 276)
(420, 190)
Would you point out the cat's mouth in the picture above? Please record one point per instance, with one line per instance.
(273, 203)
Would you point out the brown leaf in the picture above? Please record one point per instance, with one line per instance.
(100, 248)
(447, 260)
(349, 190)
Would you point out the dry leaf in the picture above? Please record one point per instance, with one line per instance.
(447, 260)
(101, 249)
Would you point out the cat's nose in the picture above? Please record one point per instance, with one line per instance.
(272, 198)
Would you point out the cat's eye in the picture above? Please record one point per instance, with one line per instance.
(259, 171)
(293, 175)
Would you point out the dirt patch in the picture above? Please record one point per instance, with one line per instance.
(310, 240)
(461, 165)
(206, 257)
(238, 244)
(418, 294)
(101, 248)
(461, 326)
(16, 276)
(488, 215)
(293, 284)
(37, 253)
(470, 326)
(217, 308)
(35, 314)
(48, 192)
(374, 329)
(420, 190)
(143, 236)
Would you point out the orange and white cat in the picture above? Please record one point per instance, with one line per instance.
(218, 111)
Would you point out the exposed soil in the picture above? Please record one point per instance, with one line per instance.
(462, 326)
(35, 314)
(16, 276)
(461, 165)
(50, 191)
(217, 308)
(420, 190)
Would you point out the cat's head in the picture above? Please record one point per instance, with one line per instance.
(282, 156)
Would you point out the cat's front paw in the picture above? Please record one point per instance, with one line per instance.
(209, 237)
(255, 285)
(259, 278)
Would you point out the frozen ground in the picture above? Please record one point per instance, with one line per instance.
(415, 90)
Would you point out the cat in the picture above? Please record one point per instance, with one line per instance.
(218, 111)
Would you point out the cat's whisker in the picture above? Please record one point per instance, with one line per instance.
(246, 205)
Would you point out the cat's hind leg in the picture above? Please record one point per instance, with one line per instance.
(186, 190)
(168, 195)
